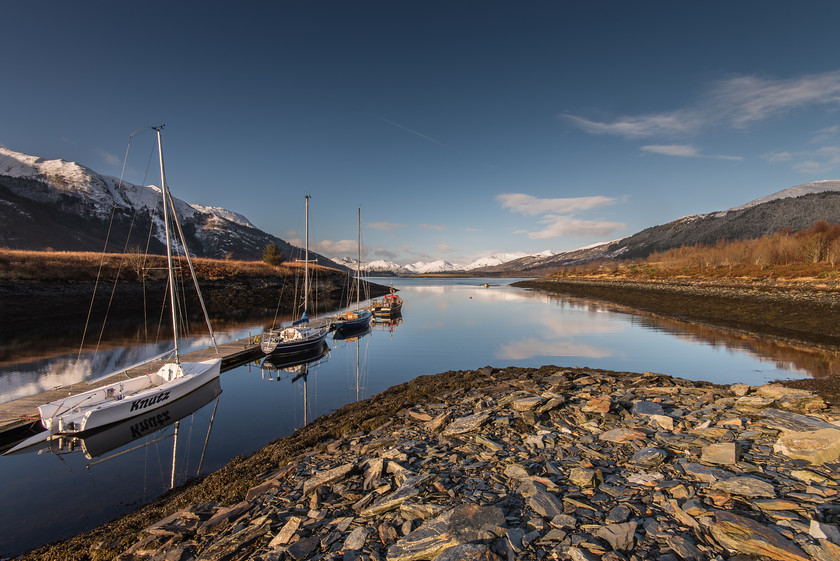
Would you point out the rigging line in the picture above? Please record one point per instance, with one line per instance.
(121, 263)
(192, 271)
(145, 260)
(104, 250)
(207, 438)
(116, 279)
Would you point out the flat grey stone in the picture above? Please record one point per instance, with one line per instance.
(618, 515)
(621, 537)
(746, 486)
(356, 540)
(685, 547)
(465, 552)
(454, 527)
(466, 424)
(328, 476)
(303, 547)
(646, 408)
(788, 421)
(723, 453)
(818, 446)
(649, 457)
(705, 473)
(546, 504)
(749, 537)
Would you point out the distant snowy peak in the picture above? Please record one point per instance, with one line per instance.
(795, 191)
(493, 260)
(439, 266)
(234, 217)
(380, 266)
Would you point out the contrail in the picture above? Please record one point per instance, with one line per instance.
(415, 133)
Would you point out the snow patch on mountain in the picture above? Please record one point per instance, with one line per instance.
(440, 266)
(219, 212)
(792, 192)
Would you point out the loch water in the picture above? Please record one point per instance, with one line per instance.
(446, 325)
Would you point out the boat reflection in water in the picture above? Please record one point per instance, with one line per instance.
(355, 337)
(388, 323)
(96, 443)
(275, 369)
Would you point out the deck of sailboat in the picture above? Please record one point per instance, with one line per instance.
(23, 411)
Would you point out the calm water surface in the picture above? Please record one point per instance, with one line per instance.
(447, 324)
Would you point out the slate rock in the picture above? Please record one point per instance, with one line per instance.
(646, 408)
(621, 537)
(455, 527)
(746, 486)
(303, 547)
(723, 453)
(328, 476)
(823, 531)
(749, 537)
(622, 434)
(705, 473)
(546, 504)
(466, 424)
(356, 540)
(818, 447)
(466, 552)
(788, 421)
(685, 547)
(649, 457)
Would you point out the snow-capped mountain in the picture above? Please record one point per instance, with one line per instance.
(68, 207)
(796, 208)
(388, 268)
(793, 192)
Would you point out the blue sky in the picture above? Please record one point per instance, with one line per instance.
(460, 128)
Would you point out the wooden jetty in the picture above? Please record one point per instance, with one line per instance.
(21, 415)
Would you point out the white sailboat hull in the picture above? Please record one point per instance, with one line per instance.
(126, 399)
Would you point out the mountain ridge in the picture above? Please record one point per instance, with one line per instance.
(796, 208)
(66, 206)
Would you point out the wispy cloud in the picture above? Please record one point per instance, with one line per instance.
(811, 161)
(437, 227)
(821, 160)
(109, 158)
(684, 151)
(556, 226)
(824, 135)
(471, 230)
(384, 226)
(736, 102)
(444, 247)
(338, 248)
(532, 206)
(529, 348)
(558, 215)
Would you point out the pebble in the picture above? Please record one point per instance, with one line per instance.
(577, 464)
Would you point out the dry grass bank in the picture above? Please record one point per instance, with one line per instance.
(21, 265)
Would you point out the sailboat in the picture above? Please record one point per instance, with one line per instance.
(133, 397)
(300, 337)
(358, 319)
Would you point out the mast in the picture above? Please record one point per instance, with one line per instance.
(163, 189)
(306, 261)
(359, 262)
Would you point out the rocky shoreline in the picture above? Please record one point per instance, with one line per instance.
(548, 463)
(799, 314)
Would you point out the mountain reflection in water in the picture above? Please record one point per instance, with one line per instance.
(446, 325)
